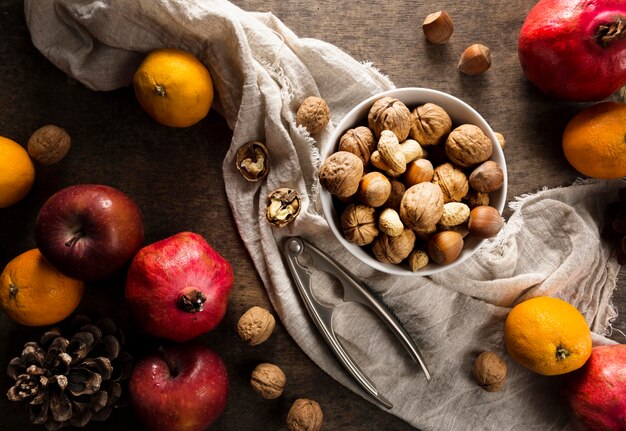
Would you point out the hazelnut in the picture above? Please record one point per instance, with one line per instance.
(445, 247)
(393, 249)
(489, 371)
(305, 415)
(49, 144)
(487, 177)
(253, 160)
(475, 60)
(454, 214)
(395, 197)
(390, 152)
(283, 208)
(418, 259)
(313, 114)
(452, 181)
(438, 27)
(467, 145)
(341, 173)
(474, 199)
(484, 222)
(500, 138)
(268, 381)
(418, 171)
(255, 325)
(359, 141)
(374, 189)
(359, 224)
(389, 222)
(389, 113)
(422, 206)
(430, 123)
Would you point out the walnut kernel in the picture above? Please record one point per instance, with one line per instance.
(489, 371)
(256, 325)
(305, 415)
(49, 144)
(283, 207)
(268, 381)
(313, 114)
(253, 160)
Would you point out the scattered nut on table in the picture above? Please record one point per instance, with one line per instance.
(268, 380)
(476, 59)
(49, 144)
(256, 325)
(313, 114)
(305, 415)
(253, 161)
(283, 207)
(438, 27)
(489, 371)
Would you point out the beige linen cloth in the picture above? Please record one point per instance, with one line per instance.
(262, 71)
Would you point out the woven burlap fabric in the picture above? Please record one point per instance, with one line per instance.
(262, 71)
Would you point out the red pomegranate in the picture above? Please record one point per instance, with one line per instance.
(575, 49)
(596, 393)
(178, 287)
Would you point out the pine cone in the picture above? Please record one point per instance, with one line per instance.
(71, 381)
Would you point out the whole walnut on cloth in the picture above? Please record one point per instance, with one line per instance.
(313, 114)
(389, 113)
(341, 173)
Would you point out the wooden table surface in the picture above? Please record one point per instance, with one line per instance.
(175, 175)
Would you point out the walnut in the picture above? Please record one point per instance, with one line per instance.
(359, 224)
(49, 144)
(467, 145)
(313, 114)
(305, 415)
(268, 381)
(430, 123)
(452, 181)
(255, 325)
(253, 160)
(341, 173)
(393, 249)
(395, 197)
(390, 152)
(283, 207)
(487, 177)
(422, 206)
(374, 189)
(359, 141)
(489, 371)
(389, 113)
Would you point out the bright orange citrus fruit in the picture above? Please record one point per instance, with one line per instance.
(594, 141)
(17, 172)
(548, 336)
(34, 293)
(174, 87)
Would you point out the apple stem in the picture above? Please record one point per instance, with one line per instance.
(191, 300)
(608, 32)
(168, 361)
(73, 239)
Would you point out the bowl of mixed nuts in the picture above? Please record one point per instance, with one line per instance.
(414, 181)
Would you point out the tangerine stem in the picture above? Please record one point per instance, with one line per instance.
(562, 353)
(160, 90)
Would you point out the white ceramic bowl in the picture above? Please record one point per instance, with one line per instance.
(460, 113)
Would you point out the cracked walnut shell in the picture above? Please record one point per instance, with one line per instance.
(256, 325)
(313, 114)
(393, 249)
(452, 181)
(430, 124)
(359, 224)
(252, 160)
(422, 206)
(283, 207)
(268, 380)
(389, 113)
(359, 141)
(341, 173)
(467, 145)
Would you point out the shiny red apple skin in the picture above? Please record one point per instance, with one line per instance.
(109, 226)
(159, 275)
(560, 50)
(190, 397)
(596, 393)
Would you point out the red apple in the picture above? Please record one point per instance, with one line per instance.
(178, 287)
(183, 387)
(596, 393)
(575, 49)
(89, 231)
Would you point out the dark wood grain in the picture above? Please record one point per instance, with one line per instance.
(175, 175)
